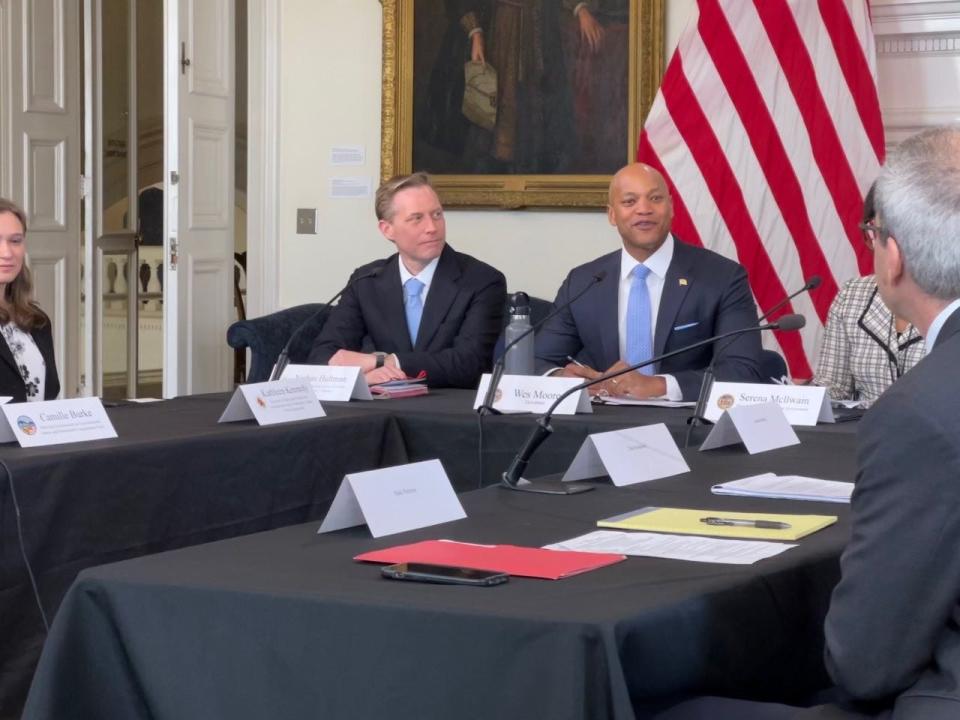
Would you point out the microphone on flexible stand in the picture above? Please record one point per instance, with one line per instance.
(811, 284)
(706, 383)
(283, 358)
(487, 407)
(512, 477)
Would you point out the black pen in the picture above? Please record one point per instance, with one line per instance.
(575, 361)
(743, 522)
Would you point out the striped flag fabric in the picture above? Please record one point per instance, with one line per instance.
(767, 129)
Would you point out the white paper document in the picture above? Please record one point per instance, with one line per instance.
(628, 456)
(610, 400)
(789, 487)
(674, 547)
(394, 499)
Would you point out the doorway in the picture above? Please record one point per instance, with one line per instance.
(130, 260)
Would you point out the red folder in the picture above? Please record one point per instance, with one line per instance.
(511, 559)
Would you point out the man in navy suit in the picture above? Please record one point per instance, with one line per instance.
(658, 295)
(426, 308)
(893, 627)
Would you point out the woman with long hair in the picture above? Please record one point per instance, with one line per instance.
(28, 370)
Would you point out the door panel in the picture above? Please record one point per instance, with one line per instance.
(43, 90)
(200, 157)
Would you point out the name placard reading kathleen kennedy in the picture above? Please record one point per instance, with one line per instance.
(534, 393)
(272, 402)
(55, 422)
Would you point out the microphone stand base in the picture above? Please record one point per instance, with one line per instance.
(547, 488)
(488, 410)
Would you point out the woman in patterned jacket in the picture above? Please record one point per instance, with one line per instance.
(28, 370)
(865, 347)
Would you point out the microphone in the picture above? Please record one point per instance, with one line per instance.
(811, 284)
(487, 407)
(283, 358)
(706, 384)
(511, 478)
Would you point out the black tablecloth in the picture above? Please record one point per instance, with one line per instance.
(442, 425)
(284, 624)
(173, 477)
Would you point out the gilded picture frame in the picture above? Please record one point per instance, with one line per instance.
(479, 177)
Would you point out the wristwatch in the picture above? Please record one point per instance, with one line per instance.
(381, 357)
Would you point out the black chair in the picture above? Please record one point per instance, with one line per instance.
(266, 336)
(772, 366)
(539, 309)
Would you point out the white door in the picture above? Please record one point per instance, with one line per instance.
(199, 194)
(40, 110)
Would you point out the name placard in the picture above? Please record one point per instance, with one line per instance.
(802, 404)
(331, 382)
(629, 456)
(273, 402)
(395, 499)
(759, 427)
(54, 422)
(535, 394)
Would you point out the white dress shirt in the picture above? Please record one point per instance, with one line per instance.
(425, 276)
(937, 325)
(658, 264)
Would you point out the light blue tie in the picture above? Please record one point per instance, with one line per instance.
(413, 306)
(639, 336)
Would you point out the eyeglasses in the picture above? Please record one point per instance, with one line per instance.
(873, 233)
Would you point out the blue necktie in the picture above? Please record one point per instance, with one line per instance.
(639, 336)
(413, 306)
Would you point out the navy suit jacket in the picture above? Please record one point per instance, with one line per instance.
(704, 294)
(461, 320)
(893, 628)
(11, 381)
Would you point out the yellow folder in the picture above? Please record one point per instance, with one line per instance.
(693, 522)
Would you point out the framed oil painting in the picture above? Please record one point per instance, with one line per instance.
(517, 103)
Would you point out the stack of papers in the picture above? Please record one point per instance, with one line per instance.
(693, 522)
(511, 559)
(409, 387)
(789, 487)
(610, 400)
(675, 547)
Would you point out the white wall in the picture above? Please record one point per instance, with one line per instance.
(330, 95)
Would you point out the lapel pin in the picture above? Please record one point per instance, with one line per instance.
(683, 281)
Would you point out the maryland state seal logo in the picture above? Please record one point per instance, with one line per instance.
(725, 401)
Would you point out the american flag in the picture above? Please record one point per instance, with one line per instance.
(767, 128)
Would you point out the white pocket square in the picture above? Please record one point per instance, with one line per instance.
(686, 327)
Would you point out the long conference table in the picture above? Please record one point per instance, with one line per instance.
(285, 605)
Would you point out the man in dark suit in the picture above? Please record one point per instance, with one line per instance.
(893, 627)
(658, 295)
(426, 308)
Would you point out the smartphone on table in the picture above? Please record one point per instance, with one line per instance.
(445, 574)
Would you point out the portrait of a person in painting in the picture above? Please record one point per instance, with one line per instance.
(557, 105)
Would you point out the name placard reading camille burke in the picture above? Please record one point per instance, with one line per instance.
(54, 422)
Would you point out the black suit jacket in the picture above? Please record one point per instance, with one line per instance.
(11, 382)
(704, 294)
(461, 320)
(893, 628)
